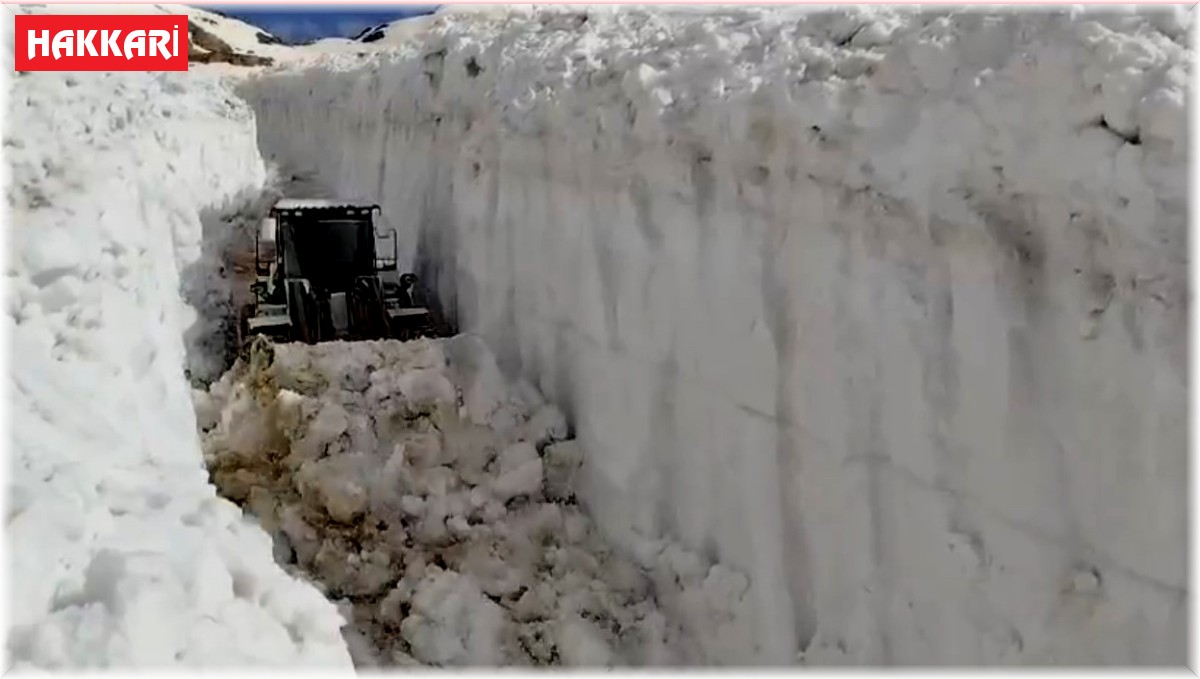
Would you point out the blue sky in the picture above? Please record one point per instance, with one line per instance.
(308, 22)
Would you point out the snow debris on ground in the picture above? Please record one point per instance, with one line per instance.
(435, 500)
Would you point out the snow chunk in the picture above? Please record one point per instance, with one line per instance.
(453, 623)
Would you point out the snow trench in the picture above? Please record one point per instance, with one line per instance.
(443, 536)
(883, 310)
(120, 552)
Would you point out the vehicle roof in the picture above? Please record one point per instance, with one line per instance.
(319, 203)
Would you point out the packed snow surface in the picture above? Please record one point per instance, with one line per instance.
(886, 310)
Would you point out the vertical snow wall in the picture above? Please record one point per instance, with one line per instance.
(888, 310)
(120, 552)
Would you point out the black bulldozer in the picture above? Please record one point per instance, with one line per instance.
(318, 278)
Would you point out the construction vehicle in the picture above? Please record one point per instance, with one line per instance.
(318, 278)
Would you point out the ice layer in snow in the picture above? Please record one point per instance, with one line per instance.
(885, 309)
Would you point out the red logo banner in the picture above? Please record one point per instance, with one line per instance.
(101, 42)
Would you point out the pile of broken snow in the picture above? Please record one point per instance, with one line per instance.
(435, 502)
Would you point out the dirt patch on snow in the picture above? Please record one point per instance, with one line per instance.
(206, 48)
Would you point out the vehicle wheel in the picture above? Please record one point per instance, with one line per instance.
(243, 327)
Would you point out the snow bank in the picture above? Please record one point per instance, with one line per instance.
(435, 501)
(120, 552)
(886, 310)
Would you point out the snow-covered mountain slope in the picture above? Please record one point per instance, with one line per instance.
(370, 33)
(397, 32)
(244, 38)
(886, 310)
(120, 553)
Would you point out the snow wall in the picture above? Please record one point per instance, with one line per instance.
(887, 310)
(119, 551)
